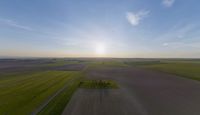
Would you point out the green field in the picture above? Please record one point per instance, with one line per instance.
(47, 92)
(21, 94)
(188, 69)
(57, 104)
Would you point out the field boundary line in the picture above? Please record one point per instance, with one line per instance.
(42, 106)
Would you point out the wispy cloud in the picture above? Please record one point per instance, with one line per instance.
(168, 3)
(179, 33)
(13, 23)
(165, 44)
(183, 45)
(135, 18)
(181, 38)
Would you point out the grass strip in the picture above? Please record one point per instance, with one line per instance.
(59, 102)
(98, 84)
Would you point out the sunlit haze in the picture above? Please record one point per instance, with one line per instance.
(100, 49)
(100, 28)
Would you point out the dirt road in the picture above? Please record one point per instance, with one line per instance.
(141, 92)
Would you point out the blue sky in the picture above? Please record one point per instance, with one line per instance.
(100, 28)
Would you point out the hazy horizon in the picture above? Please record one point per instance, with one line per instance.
(91, 28)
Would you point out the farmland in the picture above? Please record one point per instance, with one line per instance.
(184, 68)
(142, 90)
(108, 86)
(24, 92)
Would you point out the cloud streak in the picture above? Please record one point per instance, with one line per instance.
(183, 46)
(12, 23)
(178, 33)
(168, 3)
(136, 18)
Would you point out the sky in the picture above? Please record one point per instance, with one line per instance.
(100, 28)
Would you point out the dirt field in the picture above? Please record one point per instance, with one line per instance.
(141, 92)
(25, 65)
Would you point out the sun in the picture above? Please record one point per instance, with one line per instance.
(100, 49)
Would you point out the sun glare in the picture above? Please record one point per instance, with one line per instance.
(100, 49)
